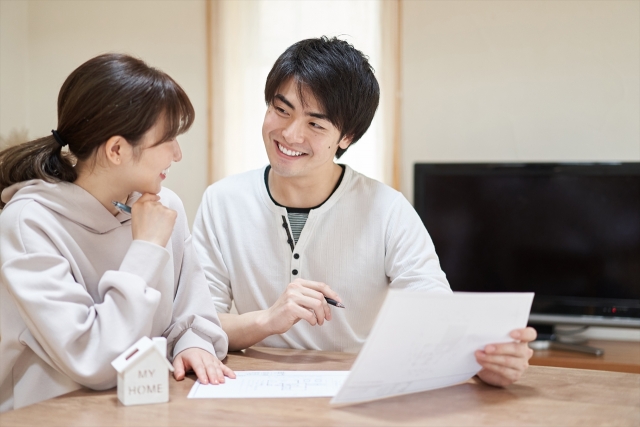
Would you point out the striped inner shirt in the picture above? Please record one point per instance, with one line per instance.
(297, 222)
(298, 216)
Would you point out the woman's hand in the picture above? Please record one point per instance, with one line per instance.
(151, 221)
(206, 366)
(503, 364)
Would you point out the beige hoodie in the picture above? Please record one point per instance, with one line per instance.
(76, 291)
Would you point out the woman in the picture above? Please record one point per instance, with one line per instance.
(81, 281)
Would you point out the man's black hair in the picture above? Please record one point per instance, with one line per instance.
(338, 75)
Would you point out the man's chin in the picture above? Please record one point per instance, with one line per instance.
(285, 171)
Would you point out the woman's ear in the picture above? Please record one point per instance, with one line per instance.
(116, 150)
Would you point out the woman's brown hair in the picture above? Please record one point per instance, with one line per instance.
(111, 94)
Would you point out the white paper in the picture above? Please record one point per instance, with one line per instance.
(423, 341)
(260, 384)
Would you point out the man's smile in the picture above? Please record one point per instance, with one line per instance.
(288, 152)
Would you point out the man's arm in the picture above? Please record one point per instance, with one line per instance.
(302, 300)
(412, 263)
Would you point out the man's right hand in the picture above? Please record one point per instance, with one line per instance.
(302, 300)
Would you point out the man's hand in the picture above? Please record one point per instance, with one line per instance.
(303, 299)
(504, 364)
(206, 366)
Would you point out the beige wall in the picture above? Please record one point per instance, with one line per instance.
(13, 67)
(61, 34)
(520, 81)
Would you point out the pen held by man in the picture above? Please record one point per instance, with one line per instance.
(333, 302)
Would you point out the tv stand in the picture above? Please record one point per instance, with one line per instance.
(619, 356)
(560, 337)
(554, 344)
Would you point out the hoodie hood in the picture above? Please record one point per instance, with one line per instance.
(70, 201)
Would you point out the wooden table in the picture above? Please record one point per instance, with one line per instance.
(544, 396)
(619, 356)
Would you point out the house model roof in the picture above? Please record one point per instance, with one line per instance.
(143, 347)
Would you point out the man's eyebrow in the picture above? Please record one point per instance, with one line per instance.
(318, 116)
(285, 101)
(282, 98)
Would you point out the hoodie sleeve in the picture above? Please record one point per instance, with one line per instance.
(195, 321)
(76, 335)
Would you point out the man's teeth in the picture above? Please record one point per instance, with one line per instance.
(289, 152)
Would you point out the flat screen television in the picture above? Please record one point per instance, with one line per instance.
(568, 232)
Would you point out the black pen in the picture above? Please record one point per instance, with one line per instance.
(334, 302)
(122, 207)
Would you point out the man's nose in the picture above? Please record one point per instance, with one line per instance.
(294, 133)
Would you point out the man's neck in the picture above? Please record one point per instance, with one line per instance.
(303, 192)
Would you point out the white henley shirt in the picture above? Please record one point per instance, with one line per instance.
(365, 239)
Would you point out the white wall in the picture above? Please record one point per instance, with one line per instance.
(62, 34)
(520, 80)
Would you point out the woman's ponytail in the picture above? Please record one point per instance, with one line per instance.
(38, 159)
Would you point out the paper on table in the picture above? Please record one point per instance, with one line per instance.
(422, 341)
(255, 384)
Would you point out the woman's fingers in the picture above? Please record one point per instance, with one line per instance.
(205, 365)
(178, 368)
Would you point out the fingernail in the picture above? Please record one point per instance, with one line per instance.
(515, 334)
(490, 349)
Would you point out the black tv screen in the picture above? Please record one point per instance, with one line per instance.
(568, 232)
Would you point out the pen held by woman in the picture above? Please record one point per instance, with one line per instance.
(122, 207)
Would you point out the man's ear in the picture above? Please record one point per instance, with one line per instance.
(345, 142)
(116, 149)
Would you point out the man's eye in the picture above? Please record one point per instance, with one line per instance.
(316, 126)
(280, 110)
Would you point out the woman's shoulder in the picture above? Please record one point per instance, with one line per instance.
(22, 222)
(22, 211)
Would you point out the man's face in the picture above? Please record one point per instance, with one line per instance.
(300, 141)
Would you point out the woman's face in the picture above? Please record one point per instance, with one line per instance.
(146, 170)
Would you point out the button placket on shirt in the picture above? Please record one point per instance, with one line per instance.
(295, 265)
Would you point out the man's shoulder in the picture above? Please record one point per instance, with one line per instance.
(235, 186)
(362, 186)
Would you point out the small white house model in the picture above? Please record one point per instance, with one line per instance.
(143, 372)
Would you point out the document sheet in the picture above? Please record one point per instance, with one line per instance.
(258, 384)
(422, 341)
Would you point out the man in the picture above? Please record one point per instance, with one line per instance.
(280, 239)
